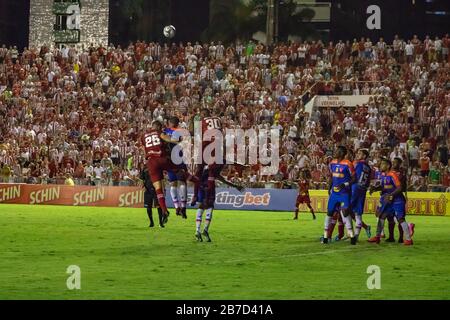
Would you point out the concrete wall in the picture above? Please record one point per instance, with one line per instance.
(94, 22)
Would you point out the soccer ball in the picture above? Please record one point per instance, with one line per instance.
(169, 31)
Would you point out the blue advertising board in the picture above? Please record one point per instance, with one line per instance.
(249, 199)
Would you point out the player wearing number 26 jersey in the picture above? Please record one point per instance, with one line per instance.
(156, 152)
(158, 160)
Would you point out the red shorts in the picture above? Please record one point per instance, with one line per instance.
(156, 166)
(303, 199)
(214, 171)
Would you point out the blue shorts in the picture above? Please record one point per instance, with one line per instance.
(172, 176)
(201, 195)
(341, 199)
(358, 201)
(394, 209)
(204, 198)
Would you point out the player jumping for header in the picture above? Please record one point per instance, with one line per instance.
(178, 189)
(158, 160)
(211, 127)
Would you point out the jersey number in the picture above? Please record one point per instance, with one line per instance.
(213, 123)
(364, 178)
(152, 140)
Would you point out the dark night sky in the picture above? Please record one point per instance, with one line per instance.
(14, 24)
(401, 17)
(191, 17)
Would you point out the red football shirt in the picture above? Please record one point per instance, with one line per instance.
(154, 145)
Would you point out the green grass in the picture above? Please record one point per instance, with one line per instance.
(254, 255)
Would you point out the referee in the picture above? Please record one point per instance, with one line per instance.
(150, 198)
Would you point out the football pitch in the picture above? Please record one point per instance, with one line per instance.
(254, 255)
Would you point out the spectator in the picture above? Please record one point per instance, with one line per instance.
(98, 114)
(424, 165)
(69, 181)
(443, 153)
(435, 177)
(413, 154)
(5, 172)
(348, 124)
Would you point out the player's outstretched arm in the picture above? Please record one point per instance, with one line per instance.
(167, 138)
(228, 183)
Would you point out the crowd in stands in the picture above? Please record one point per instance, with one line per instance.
(79, 112)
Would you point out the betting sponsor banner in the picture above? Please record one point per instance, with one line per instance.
(253, 199)
(418, 203)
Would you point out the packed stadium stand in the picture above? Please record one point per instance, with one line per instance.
(80, 112)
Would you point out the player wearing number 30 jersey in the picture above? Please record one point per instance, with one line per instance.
(210, 126)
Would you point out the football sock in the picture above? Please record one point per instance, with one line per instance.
(182, 194)
(331, 228)
(400, 231)
(348, 224)
(160, 215)
(340, 230)
(380, 226)
(405, 228)
(208, 218)
(173, 193)
(296, 213)
(161, 200)
(358, 225)
(311, 209)
(150, 215)
(198, 220)
(326, 226)
(391, 226)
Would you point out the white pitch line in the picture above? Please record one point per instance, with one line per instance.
(296, 255)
